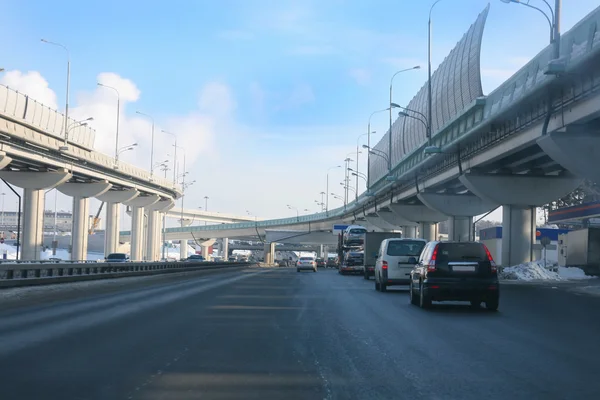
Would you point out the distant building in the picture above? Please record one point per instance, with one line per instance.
(8, 221)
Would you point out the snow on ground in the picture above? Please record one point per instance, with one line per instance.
(535, 270)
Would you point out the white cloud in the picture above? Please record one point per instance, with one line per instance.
(361, 76)
(31, 83)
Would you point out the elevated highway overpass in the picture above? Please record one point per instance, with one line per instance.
(503, 149)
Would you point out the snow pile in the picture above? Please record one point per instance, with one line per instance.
(535, 270)
(10, 251)
(573, 273)
(530, 271)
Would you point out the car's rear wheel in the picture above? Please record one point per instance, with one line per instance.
(424, 300)
(382, 287)
(492, 305)
(377, 287)
(413, 299)
(297, 269)
(366, 274)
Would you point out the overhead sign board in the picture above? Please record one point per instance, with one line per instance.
(339, 229)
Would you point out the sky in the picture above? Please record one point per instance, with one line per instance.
(263, 97)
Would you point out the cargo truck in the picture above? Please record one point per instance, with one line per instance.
(371, 248)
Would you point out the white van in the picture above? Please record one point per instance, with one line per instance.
(395, 260)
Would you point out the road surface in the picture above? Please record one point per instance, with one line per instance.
(276, 334)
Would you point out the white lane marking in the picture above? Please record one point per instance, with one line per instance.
(18, 340)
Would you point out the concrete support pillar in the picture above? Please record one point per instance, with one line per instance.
(137, 233)
(205, 252)
(518, 235)
(225, 248)
(461, 229)
(409, 231)
(33, 224)
(33, 203)
(111, 232)
(151, 236)
(183, 249)
(79, 234)
(428, 231)
(269, 253)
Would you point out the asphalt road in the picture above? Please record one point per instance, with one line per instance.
(276, 334)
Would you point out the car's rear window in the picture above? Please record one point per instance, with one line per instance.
(355, 255)
(405, 248)
(450, 252)
(306, 258)
(358, 231)
(116, 256)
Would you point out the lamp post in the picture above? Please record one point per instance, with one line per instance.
(174, 155)
(205, 205)
(164, 222)
(429, 100)
(327, 187)
(369, 132)
(347, 160)
(390, 109)
(323, 200)
(152, 141)
(3, 228)
(358, 152)
(118, 115)
(65, 146)
(126, 148)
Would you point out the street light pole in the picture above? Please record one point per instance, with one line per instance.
(152, 142)
(68, 84)
(205, 205)
(174, 155)
(327, 187)
(118, 116)
(3, 228)
(390, 108)
(429, 100)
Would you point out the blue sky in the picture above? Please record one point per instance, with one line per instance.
(284, 87)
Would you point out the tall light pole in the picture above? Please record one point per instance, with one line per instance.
(357, 153)
(327, 187)
(429, 100)
(164, 222)
(390, 108)
(369, 132)
(297, 212)
(152, 143)
(323, 200)
(174, 155)
(205, 205)
(65, 147)
(3, 228)
(118, 116)
(347, 160)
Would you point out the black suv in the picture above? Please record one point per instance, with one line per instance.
(455, 271)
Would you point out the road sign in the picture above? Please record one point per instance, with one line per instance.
(545, 241)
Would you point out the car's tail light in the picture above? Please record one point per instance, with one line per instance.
(493, 267)
(384, 264)
(431, 264)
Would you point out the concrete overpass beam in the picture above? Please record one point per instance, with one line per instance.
(461, 208)
(577, 150)
(34, 184)
(394, 219)
(423, 215)
(376, 220)
(519, 195)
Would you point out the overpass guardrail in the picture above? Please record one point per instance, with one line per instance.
(46, 273)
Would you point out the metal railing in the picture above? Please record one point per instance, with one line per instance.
(50, 272)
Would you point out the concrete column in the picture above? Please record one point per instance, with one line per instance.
(137, 233)
(151, 235)
(79, 233)
(409, 231)
(268, 254)
(225, 248)
(33, 203)
(112, 200)
(461, 229)
(111, 232)
(183, 249)
(518, 235)
(427, 231)
(204, 251)
(33, 224)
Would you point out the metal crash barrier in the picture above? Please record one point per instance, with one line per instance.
(45, 273)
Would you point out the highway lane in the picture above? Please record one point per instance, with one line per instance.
(273, 334)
